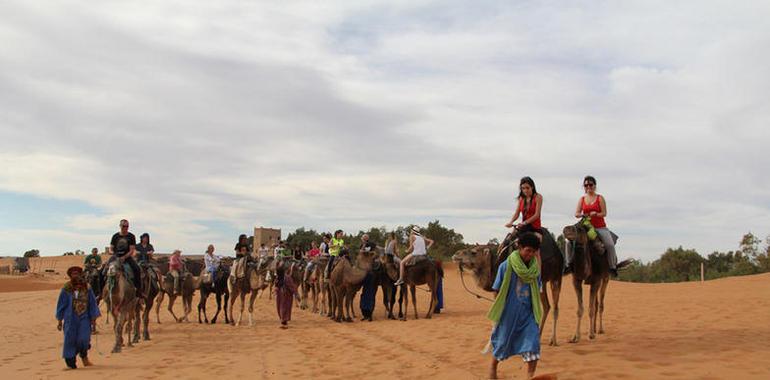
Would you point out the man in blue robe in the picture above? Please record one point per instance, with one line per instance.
(517, 311)
(76, 313)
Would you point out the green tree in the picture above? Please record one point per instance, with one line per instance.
(32, 253)
(302, 238)
(680, 265)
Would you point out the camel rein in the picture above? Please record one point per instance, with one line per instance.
(462, 279)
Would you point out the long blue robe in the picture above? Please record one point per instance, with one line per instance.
(368, 294)
(439, 295)
(517, 332)
(77, 328)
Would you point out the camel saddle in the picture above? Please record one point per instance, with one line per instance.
(419, 259)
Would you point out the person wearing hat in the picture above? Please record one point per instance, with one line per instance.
(76, 313)
(417, 247)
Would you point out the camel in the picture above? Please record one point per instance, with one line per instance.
(590, 267)
(219, 287)
(188, 284)
(151, 285)
(387, 274)
(420, 271)
(484, 261)
(120, 296)
(313, 283)
(95, 280)
(254, 281)
(297, 270)
(344, 281)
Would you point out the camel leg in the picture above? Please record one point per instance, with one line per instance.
(413, 290)
(403, 302)
(339, 304)
(218, 298)
(118, 327)
(129, 326)
(546, 307)
(230, 318)
(349, 305)
(234, 296)
(242, 296)
(593, 303)
(161, 295)
(579, 293)
(602, 292)
(555, 291)
(251, 308)
(137, 318)
(201, 303)
(146, 320)
(187, 303)
(270, 295)
(171, 300)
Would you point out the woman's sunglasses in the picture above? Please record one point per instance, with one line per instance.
(589, 185)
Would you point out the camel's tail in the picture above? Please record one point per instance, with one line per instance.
(625, 263)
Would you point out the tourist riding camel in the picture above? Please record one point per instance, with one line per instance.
(127, 238)
(589, 267)
(530, 203)
(214, 280)
(175, 269)
(418, 246)
(593, 206)
(120, 294)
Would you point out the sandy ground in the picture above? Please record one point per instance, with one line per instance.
(716, 330)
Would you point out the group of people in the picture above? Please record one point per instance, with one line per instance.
(517, 311)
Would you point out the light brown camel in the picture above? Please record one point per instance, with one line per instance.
(187, 284)
(254, 280)
(344, 281)
(484, 261)
(119, 295)
(590, 266)
(421, 270)
(313, 282)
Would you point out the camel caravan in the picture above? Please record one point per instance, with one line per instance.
(327, 282)
(326, 279)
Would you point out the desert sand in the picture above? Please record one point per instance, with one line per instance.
(714, 330)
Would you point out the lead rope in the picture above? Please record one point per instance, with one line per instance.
(462, 279)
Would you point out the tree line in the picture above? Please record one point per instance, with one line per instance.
(679, 264)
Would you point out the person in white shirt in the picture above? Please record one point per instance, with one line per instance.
(417, 247)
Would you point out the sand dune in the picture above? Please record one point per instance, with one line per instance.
(715, 330)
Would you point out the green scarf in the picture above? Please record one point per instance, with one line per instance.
(527, 275)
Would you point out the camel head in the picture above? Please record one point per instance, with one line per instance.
(473, 257)
(365, 259)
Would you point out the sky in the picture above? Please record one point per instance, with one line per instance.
(199, 120)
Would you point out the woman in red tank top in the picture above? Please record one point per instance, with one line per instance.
(592, 205)
(530, 204)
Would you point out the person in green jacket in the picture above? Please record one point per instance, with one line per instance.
(94, 260)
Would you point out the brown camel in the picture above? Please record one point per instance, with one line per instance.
(188, 284)
(120, 297)
(152, 286)
(421, 270)
(312, 284)
(254, 280)
(484, 261)
(590, 267)
(344, 281)
(387, 274)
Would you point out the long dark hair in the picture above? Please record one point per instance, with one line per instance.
(528, 180)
